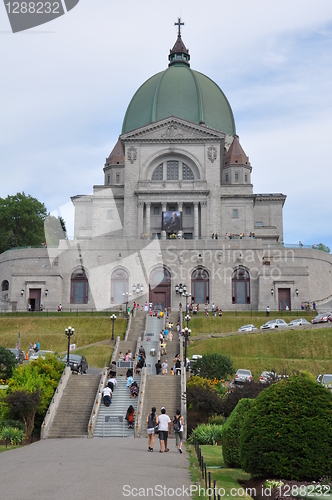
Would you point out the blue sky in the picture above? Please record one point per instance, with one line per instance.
(65, 87)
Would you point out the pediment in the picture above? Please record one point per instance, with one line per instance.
(173, 130)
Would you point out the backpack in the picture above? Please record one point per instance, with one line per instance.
(178, 363)
(151, 421)
(111, 386)
(177, 424)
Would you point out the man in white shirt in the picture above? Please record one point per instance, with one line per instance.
(114, 382)
(107, 396)
(164, 428)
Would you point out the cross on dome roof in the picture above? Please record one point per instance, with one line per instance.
(179, 55)
(179, 24)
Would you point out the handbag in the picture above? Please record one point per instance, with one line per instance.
(156, 429)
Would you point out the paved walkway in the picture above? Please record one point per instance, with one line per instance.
(92, 469)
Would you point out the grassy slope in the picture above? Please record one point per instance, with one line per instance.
(50, 333)
(226, 478)
(231, 322)
(290, 349)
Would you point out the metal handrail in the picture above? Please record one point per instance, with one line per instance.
(140, 403)
(128, 327)
(183, 392)
(96, 404)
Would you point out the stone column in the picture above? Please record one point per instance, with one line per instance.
(148, 218)
(196, 234)
(163, 209)
(203, 219)
(140, 206)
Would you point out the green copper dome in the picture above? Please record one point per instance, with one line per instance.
(181, 92)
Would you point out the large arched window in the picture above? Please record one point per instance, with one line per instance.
(119, 286)
(241, 286)
(4, 286)
(79, 287)
(200, 286)
(158, 173)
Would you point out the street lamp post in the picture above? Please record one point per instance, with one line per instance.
(113, 318)
(186, 332)
(69, 332)
(138, 288)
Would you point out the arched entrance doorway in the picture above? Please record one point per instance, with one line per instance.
(160, 288)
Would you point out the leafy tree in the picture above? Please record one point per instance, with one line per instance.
(288, 431)
(21, 221)
(55, 230)
(323, 247)
(7, 363)
(24, 405)
(213, 366)
(41, 375)
(231, 432)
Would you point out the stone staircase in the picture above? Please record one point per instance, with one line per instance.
(111, 419)
(161, 391)
(72, 417)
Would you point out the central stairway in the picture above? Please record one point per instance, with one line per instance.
(111, 419)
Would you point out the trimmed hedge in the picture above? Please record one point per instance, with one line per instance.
(288, 431)
(231, 432)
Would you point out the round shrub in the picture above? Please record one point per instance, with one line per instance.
(232, 430)
(288, 431)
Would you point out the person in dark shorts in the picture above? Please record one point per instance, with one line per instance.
(164, 429)
(178, 424)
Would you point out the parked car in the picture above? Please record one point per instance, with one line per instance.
(19, 355)
(39, 354)
(248, 328)
(267, 377)
(274, 323)
(299, 322)
(322, 318)
(77, 363)
(243, 376)
(325, 380)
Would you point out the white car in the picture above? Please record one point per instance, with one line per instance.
(242, 376)
(274, 323)
(248, 328)
(40, 354)
(267, 377)
(299, 322)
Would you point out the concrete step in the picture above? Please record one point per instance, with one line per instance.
(73, 413)
(161, 391)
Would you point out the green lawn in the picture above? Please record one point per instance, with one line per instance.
(50, 333)
(231, 321)
(227, 479)
(282, 349)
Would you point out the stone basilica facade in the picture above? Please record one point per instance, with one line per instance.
(177, 206)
